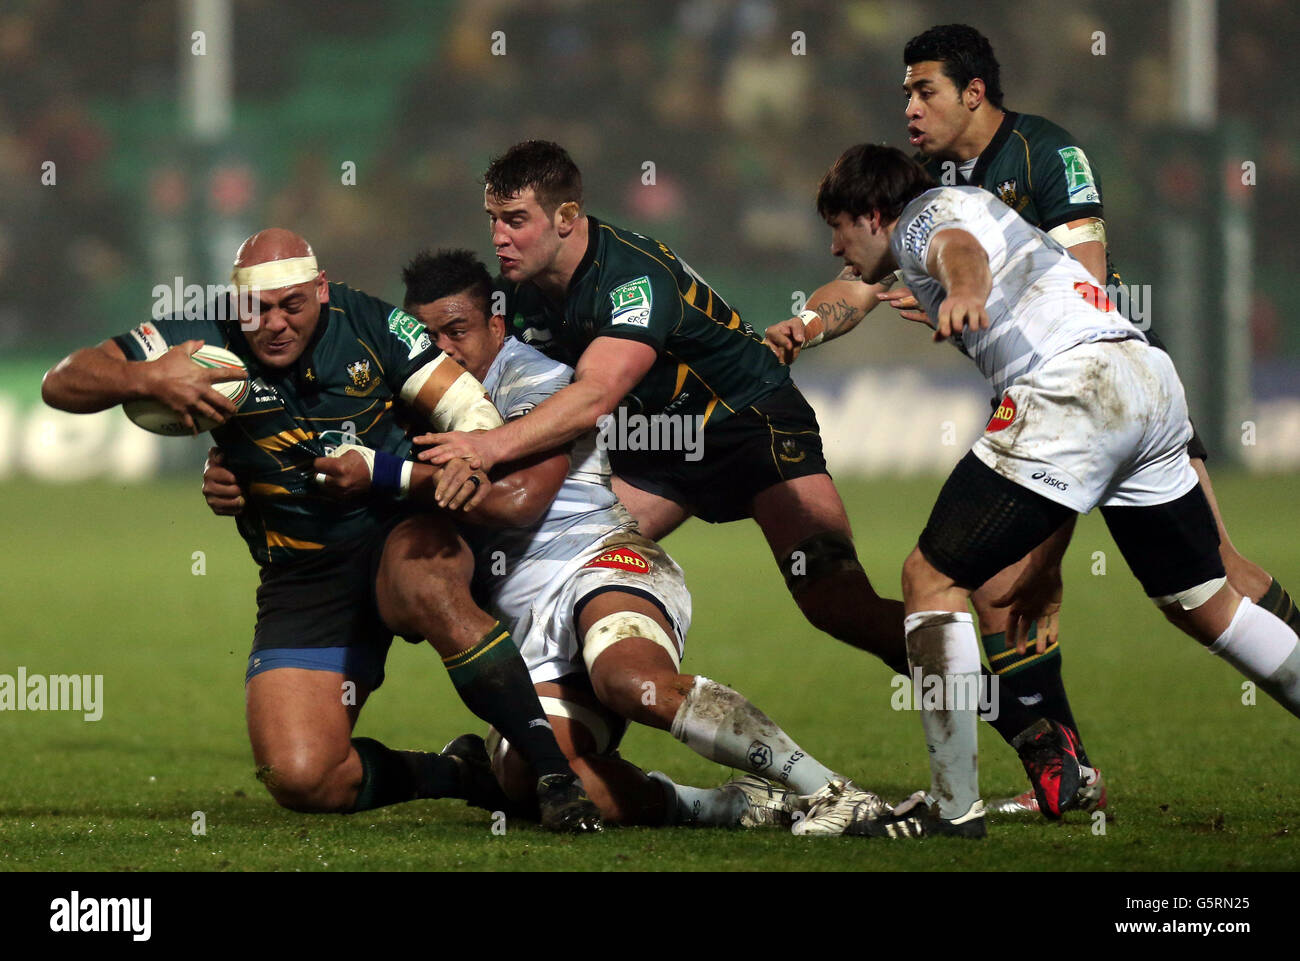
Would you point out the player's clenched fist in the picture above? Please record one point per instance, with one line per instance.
(786, 339)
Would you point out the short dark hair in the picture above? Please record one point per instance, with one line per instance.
(870, 177)
(429, 277)
(965, 54)
(544, 166)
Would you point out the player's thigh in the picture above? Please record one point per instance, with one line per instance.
(794, 510)
(631, 653)
(1171, 548)
(301, 720)
(656, 516)
(981, 523)
(422, 585)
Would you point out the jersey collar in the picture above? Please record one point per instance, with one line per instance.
(1009, 118)
(588, 258)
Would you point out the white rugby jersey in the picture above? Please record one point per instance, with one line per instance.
(521, 561)
(1043, 301)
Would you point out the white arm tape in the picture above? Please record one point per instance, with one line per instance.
(465, 406)
(808, 316)
(417, 380)
(611, 629)
(1068, 236)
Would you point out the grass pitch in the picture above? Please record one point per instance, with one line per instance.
(105, 580)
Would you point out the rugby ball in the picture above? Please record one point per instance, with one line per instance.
(158, 418)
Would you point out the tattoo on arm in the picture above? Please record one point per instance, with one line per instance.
(839, 317)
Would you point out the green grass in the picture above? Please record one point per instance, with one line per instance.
(1199, 781)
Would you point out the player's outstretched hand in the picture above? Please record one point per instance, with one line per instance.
(473, 446)
(220, 486)
(461, 487)
(344, 475)
(1034, 598)
(960, 312)
(186, 388)
(902, 300)
(786, 339)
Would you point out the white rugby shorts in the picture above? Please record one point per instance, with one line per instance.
(1101, 424)
(540, 610)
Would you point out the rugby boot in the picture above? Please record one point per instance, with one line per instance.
(918, 817)
(563, 805)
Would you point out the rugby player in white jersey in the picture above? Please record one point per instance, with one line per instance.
(1091, 415)
(600, 613)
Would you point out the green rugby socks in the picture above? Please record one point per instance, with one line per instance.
(1278, 603)
(493, 682)
(1033, 680)
(391, 777)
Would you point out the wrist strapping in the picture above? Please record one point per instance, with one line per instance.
(808, 316)
(389, 474)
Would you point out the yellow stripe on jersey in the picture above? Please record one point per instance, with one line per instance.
(283, 440)
(708, 411)
(276, 539)
(1029, 170)
(268, 490)
(683, 372)
(690, 293)
(734, 323)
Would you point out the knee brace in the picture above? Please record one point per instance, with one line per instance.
(821, 555)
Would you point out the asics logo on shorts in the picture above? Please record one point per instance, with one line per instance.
(1049, 480)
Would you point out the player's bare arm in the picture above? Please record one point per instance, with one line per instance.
(833, 310)
(1036, 595)
(1085, 239)
(957, 261)
(96, 378)
(517, 498)
(607, 370)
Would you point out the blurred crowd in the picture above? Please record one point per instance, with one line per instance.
(706, 123)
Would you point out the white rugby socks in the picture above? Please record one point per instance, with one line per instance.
(943, 644)
(720, 724)
(1263, 648)
(697, 806)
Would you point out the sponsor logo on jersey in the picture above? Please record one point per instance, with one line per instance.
(621, 559)
(1003, 416)
(1007, 192)
(760, 755)
(1080, 184)
(632, 302)
(151, 342)
(1049, 480)
(409, 331)
(362, 382)
(918, 231)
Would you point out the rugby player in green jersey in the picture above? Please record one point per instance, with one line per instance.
(650, 339)
(956, 119)
(338, 578)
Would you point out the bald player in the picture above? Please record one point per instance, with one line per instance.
(338, 578)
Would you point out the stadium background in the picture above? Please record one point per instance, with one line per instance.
(739, 129)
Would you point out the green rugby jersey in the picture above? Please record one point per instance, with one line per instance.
(710, 363)
(1038, 170)
(362, 352)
